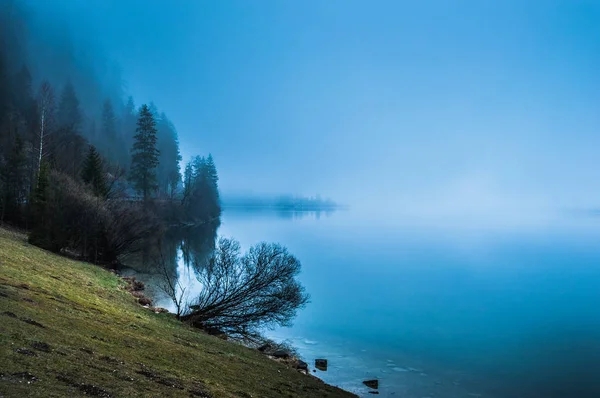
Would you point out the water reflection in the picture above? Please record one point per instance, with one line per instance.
(265, 212)
(175, 254)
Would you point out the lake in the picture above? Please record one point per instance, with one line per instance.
(429, 310)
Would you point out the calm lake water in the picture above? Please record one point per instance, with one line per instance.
(432, 311)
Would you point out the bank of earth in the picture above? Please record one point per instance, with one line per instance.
(69, 328)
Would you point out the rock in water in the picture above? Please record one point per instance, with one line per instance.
(374, 383)
(321, 364)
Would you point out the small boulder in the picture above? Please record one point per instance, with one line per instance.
(321, 364)
(214, 331)
(281, 354)
(301, 365)
(374, 383)
(160, 310)
(145, 301)
(264, 347)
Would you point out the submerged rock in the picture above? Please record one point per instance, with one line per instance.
(374, 383)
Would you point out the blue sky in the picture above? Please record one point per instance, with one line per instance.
(395, 103)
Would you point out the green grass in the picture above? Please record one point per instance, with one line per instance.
(69, 328)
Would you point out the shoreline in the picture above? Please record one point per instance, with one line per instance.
(70, 327)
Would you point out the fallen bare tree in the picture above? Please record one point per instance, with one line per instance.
(242, 294)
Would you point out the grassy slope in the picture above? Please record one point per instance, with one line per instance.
(102, 343)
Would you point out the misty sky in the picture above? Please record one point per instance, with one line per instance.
(410, 103)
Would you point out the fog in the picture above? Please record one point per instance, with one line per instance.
(434, 107)
(462, 134)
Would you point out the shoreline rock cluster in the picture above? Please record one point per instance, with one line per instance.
(136, 289)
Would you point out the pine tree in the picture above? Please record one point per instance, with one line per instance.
(111, 147)
(93, 172)
(69, 112)
(144, 155)
(68, 144)
(39, 202)
(211, 171)
(128, 126)
(168, 172)
(40, 193)
(201, 192)
(13, 176)
(23, 95)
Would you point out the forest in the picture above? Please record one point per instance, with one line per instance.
(88, 173)
(83, 168)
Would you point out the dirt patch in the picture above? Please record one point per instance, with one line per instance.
(157, 378)
(24, 286)
(41, 346)
(200, 391)
(25, 351)
(86, 389)
(113, 360)
(32, 322)
(26, 376)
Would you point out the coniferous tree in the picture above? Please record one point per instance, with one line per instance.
(13, 179)
(23, 95)
(128, 126)
(69, 112)
(168, 172)
(40, 194)
(211, 172)
(68, 144)
(144, 155)
(112, 147)
(201, 192)
(93, 172)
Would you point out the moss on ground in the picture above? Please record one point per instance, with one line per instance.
(69, 328)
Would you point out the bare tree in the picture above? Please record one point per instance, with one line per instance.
(116, 182)
(173, 288)
(241, 294)
(45, 104)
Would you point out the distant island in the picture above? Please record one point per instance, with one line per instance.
(279, 202)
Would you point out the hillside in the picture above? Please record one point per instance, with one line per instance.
(69, 328)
